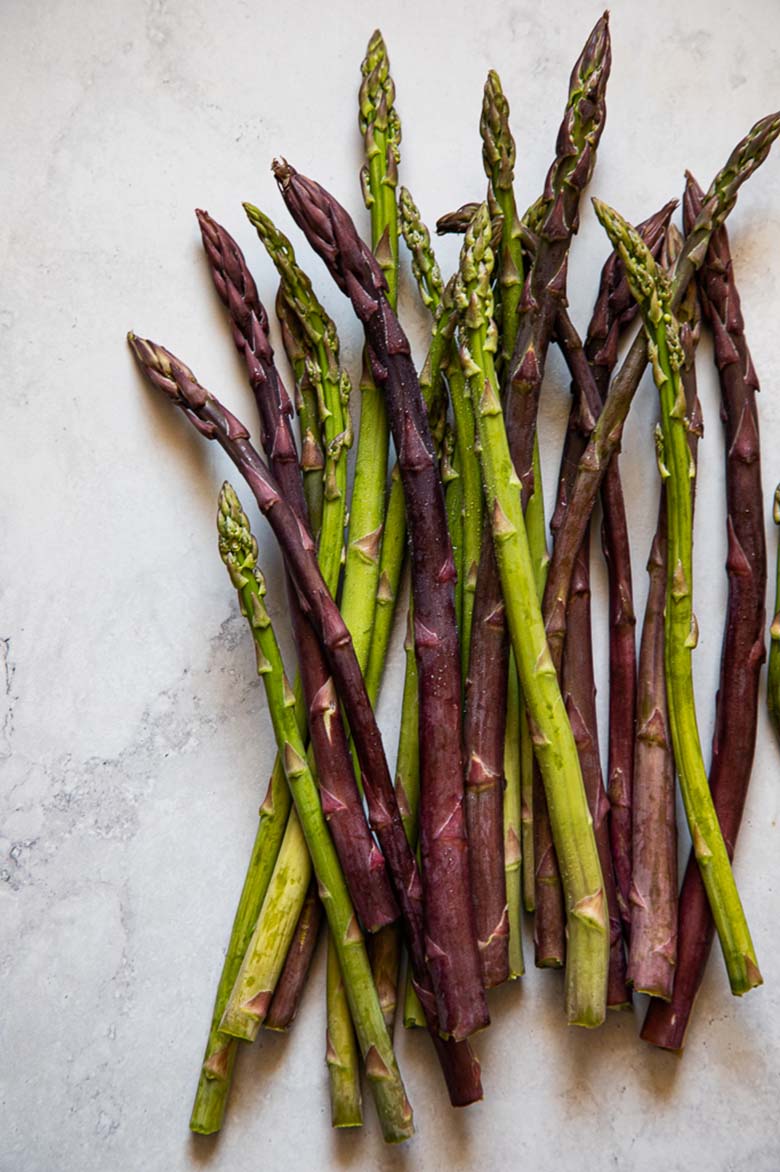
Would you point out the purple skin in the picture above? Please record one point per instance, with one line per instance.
(484, 728)
(653, 952)
(613, 312)
(743, 651)
(208, 416)
(291, 983)
(545, 286)
(450, 935)
(361, 860)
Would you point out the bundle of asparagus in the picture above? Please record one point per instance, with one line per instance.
(498, 782)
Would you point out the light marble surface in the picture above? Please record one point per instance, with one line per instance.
(133, 735)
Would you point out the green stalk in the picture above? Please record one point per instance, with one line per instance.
(381, 130)
(264, 959)
(537, 543)
(240, 554)
(316, 360)
(556, 752)
(317, 352)
(341, 1055)
(216, 1072)
(312, 454)
(773, 667)
(651, 289)
(515, 824)
(498, 156)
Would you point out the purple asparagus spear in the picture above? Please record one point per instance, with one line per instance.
(208, 416)
(361, 860)
(450, 935)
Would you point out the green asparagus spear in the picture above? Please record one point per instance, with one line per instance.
(381, 129)
(240, 553)
(650, 287)
(586, 970)
(341, 1055)
(264, 959)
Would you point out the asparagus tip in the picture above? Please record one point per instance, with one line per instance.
(283, 172)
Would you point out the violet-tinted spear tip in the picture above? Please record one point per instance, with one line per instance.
(283, 172)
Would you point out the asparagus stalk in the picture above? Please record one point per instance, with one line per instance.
(484, 734)
(736, 711)
(216, 1073)
(302, 315)
(653, 952)
(448, 915)
(613, 311)
(240, 553)
(580, 695)
(544, 291)
(364, 868)
(746, 157)
(553, 741)
(312, 452)
(341, 1052)
(651, 289)
(264, 958)
(381, 130)
(773, 670)
(453, 501)
(514, 823)
(214, 422)
(577, 667)
(545, 287)
(289, 988)
(305, 322)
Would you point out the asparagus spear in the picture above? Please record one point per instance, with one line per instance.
(216, 1073)
(289, 988)
(495, 846)
(364, 868)
(240, 552)
(545, 287)
(451, 950)
(577, 676)
(303, 315)
(651, 289)
(515, 826)
(381, 130)
(544, 292)
(653, 951)
(214, 422)
(613, 311)
(553, 741)
(264, 958)
(746, 157)
(736, 712)
(341, 1053)
(312, 452)
(311, 340)
(773, 670)
(484, 734)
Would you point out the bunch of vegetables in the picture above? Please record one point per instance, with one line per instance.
(499, 806)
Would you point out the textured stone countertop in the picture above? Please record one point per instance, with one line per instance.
(134, 738)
